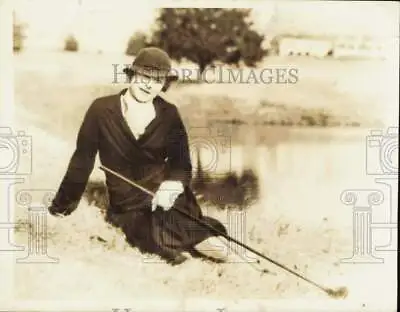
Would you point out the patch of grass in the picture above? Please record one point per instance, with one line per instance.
(232, 110)
(96, 194)
(230, 190)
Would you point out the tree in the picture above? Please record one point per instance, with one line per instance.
(204, 36)
(136, 42)
(274, 44)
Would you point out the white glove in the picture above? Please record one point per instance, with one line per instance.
(166, 195)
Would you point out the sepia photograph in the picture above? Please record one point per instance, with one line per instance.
(171, 156)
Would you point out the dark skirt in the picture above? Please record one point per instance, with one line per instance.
(167, 233)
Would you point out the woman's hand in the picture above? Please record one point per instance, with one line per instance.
(166, 194)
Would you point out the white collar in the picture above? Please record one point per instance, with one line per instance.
(134, 104)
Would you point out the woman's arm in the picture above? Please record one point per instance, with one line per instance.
(80, 165)
(178, 153)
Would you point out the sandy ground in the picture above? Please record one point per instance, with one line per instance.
(309, 233)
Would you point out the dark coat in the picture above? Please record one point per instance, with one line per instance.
(161, 153)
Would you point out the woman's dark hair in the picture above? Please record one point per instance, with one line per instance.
(130, 73)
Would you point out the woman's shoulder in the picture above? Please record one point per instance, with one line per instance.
(107, 102)
(165, 99)
(166, 103)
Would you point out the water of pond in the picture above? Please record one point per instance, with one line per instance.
(300, 171)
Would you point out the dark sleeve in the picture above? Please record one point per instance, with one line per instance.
(179, 163)
(80, 166)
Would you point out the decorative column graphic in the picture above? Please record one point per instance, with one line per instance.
(37, 225)
(382, 153)
(6, 222)
(237, 229)
(391, 222)
(362, 224)
(15, 163)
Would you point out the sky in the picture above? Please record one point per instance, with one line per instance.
(106, 24)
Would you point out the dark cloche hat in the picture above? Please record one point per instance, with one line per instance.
(153, 62)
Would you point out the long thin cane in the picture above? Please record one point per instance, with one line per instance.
(340, 292)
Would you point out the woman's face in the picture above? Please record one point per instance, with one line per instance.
(145, 88)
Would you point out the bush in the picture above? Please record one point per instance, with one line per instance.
(71, 44)
(18, 35)
(136, 42)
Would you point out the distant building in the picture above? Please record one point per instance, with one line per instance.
(305, 47)
(360, 47)
(339, 47)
